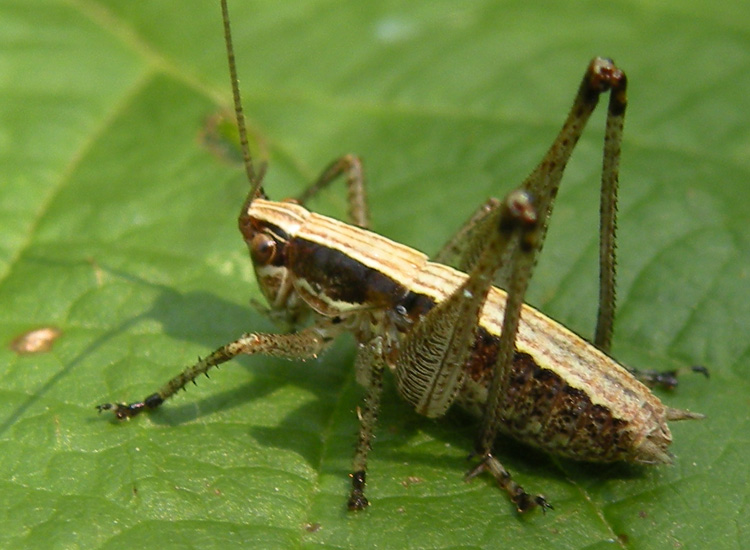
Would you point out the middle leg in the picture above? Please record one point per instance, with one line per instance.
(351, 166)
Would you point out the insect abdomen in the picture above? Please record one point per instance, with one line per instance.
(541, 408)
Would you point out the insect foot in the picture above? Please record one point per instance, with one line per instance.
(357, 500)
(125, 410)
(523, 500)
(668, 379)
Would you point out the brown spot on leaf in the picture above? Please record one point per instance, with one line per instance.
(39, 340)
(411, 480)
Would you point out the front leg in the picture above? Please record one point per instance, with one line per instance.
(305, 344)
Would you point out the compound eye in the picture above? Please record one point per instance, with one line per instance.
(262, 249)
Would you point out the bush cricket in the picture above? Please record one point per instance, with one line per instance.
(453, 328)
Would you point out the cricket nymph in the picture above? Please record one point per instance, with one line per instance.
(454, 328)
(564, 396)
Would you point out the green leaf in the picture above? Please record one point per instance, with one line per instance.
(118, 227)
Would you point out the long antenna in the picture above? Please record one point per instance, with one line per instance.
(252, 177)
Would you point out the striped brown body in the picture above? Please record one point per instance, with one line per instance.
(564, 396)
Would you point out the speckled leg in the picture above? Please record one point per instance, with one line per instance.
(305, 344)
(351, 166)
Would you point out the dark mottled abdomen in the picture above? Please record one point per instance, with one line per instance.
(543, 410)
